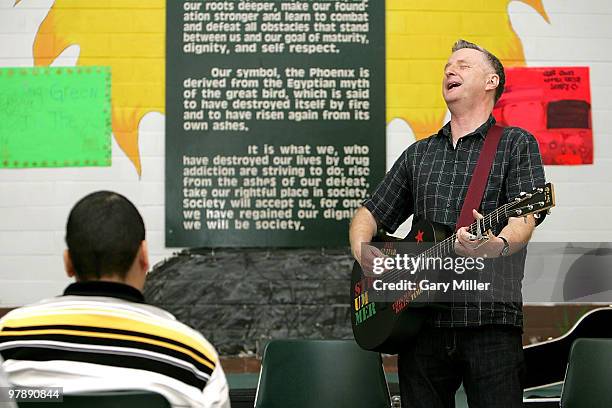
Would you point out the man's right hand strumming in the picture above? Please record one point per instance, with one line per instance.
(363, 228)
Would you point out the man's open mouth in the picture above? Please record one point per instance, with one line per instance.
(452, 85)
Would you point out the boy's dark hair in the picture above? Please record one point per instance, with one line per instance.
(493, 61)
(103, 234)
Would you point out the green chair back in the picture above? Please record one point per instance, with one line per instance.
(588, 380)
(321, 374)
(106, 399)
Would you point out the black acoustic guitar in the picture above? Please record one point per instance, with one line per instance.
(385, 326)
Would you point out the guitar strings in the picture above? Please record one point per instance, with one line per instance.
(447, 245)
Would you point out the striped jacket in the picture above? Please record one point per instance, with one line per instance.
(102, 336)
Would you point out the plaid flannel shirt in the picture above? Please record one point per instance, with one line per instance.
(431, 179)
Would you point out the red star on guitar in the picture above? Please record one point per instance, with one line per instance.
(419, 236)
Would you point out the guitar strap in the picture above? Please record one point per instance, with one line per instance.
(479, 177)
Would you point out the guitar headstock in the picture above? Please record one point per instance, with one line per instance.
(540, 199)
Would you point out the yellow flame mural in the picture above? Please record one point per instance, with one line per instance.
(420, 34)
(129, 36)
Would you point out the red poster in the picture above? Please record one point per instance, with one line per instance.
(554, 104)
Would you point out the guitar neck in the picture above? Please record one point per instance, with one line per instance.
(490, 221)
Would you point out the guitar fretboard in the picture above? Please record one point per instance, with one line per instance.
(447, 246)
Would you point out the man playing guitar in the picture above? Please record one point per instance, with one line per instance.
(475, 341)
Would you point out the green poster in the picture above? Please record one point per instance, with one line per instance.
(55, 117)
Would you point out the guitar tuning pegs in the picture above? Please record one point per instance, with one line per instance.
(518, 212)
(540, 190)
(541, 203)
(536, 216)
(517, 199)
(528, 195)
(548, 211)
(530, 207)
(522, 193)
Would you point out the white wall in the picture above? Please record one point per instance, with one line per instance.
(579, 33)
(34, 203)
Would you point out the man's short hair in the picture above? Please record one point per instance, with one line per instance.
(103, 234)
(493, 61)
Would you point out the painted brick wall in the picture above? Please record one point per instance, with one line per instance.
(577, 35)
(34, 203)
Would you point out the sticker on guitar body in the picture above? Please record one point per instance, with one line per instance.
(365, 313)
(407, 298)
(364, 309)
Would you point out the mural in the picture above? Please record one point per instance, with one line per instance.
(420, 35)
(546, 33)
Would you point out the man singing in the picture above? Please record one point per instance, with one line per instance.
(475, 341)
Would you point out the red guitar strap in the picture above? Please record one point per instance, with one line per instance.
(479, 177)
